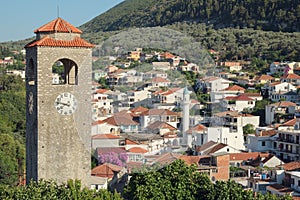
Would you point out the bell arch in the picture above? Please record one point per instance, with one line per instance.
(65, 72)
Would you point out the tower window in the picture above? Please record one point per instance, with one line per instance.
(64, 71)
(30, 76)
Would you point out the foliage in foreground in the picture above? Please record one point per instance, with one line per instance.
(49, 190)
(179, 181)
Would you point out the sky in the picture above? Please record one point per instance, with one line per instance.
(19, 18)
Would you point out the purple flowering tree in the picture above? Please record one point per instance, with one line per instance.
(119, 159)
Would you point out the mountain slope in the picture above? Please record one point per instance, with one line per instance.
(275, 15)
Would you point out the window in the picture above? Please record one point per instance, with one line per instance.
(263, 143)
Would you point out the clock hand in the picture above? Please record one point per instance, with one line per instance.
(65, 104)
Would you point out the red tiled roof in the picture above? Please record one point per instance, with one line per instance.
(159, 80)
(106, 170)
(198, 128)
(58, 25)
(189, 160)
(105, 136)
(130, 142)
(239, 98)
(234, 88)
(291, 166)
(50, 42)
(267, 133)
(280, 188)
(101, 91)
(103, 150)
(161, 125)
(291, 76)
(138, 110)
(161, 112)
(283, 104)
(246, 156)
(137, 150)
(265, 77)
(291, 122)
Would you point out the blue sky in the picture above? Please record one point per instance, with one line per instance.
(19, 18)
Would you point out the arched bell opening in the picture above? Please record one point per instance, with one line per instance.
(65, 71)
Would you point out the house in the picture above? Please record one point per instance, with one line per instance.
(233, 90)
(280, 112)
(170, 96)
(263, 79)
(164, 66)
(136, 96)
(280, 190)
(278, 88)
(282, 67)
(232, 66)
(261, 141)
(212, 147)
(216, 166)
(106, 170)
(159, 82)
(136, 154)
(152, 143)
(152, 115)
(98, 183)
(196, 135)
(101, 104)
(123, 120)
(238, 103)
(161, 128)
(100, 127)
(291, 78)
(106, 140)
(212, 84)
(287, 144)
(286, 96)
(153, 74)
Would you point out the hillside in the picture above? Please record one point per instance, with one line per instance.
(269, 15)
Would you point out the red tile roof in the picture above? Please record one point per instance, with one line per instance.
(161, 125)
(291, 76)
(291, 122)
(283, 104)
(265, 77)
(106, 170)
(234, 88)
(291, 166)
(239, 98)
(280, 188)
(197, 128)
(246, 156)
(137, 150)
(105, 136)
(161, 112)
(58, 25)
(51, 42)
(189, 160)
(159, 80)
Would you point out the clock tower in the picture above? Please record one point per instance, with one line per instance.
(58, 117)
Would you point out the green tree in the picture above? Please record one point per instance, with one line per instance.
(174, 181)
(248, 129)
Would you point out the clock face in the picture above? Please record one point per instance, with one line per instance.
(30, 103)
(65, 103)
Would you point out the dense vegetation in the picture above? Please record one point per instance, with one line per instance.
(275, 15)
(12, 129)
(179, 181)
(49, 190)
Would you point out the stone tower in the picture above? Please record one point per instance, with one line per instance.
(58, 115)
